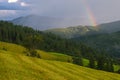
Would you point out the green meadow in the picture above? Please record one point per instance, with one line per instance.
(15, 65)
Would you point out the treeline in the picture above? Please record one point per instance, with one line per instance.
(107, 41)
(37, 39)
(34, 39)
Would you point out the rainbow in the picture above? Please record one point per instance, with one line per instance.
(90, 14)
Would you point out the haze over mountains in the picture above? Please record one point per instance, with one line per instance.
(110, 27)
(64, 25)
(77, 31)
(44, 22)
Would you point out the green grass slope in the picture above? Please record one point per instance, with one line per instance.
(44, 55)
(20, 67)
(17, 49)
(54, 56)
(12, 47)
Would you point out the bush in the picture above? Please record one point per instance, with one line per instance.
(118, 71)
(33, 53)
(4, 49)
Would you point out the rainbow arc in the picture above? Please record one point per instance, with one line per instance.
(90, 14)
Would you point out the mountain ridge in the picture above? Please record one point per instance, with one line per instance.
(44, 22)
(77, 31)
(71, 32)
(51, 23)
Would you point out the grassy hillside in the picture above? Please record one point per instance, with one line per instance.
(44, 55)
(20, 67)
(12, 47)
(54, 56)
(20, 50)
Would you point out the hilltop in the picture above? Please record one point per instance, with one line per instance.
(73, 32)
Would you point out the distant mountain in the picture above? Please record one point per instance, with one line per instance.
(56, 26)
(72, 32)
(110, 27)
(77, 31)
(44, 23)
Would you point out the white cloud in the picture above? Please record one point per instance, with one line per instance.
(24, 4)
(12, 1)
(64, 8)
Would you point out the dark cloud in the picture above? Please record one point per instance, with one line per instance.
(103, 10)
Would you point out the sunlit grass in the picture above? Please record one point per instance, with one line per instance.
(14, 65)
(116, 67)
(85, 62)
(54, 56)
(43, 54)
(12, 47)
(20, 67)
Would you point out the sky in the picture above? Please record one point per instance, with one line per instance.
(91, 12)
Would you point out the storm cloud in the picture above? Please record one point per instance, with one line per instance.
(102, 10)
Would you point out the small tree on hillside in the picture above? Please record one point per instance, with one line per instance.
(31, 43)
(77, 59)
(100, 62)
(91, 62)
(109, 65)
